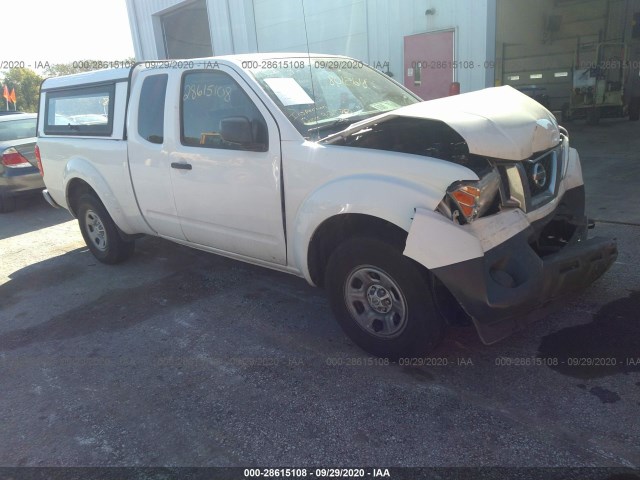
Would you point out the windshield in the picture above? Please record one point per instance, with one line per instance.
(321, 96)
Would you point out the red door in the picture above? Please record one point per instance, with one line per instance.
(428, 64)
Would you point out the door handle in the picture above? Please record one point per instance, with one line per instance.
(181, 166)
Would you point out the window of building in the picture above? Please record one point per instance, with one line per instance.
(212, 104)
(186, 33)
(151, 109)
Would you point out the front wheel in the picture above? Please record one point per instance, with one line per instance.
(382, 300)
(100, 232)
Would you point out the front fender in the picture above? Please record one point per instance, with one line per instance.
(393, 200)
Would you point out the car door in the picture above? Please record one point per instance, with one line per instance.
(227, 188)
(149, 162)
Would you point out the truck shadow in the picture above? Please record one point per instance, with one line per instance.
(229, 291)
(114, 310)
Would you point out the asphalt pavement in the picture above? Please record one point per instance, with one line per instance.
(183, 358)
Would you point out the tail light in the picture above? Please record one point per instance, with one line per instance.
(13, 158)
(39, 160)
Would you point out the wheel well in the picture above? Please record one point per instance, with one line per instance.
(335, 230)
(75, 190)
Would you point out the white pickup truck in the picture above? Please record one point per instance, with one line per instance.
(325, 168)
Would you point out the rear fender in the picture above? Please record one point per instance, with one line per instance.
(79, 168)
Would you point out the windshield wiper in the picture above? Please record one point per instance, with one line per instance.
(339, 122)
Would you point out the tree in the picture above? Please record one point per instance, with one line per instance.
(26, 82)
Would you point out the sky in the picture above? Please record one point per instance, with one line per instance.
(63, 31)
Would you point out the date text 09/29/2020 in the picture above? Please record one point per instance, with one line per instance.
(316, 472)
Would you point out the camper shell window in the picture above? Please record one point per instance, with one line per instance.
(80, 111)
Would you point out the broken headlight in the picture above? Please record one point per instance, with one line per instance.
(465, 201)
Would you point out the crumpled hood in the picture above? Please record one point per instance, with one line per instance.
(498, 122)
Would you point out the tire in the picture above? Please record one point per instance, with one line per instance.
(7, 204)
(382, 300)
(100, 233)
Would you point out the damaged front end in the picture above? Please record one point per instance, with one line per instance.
(504, 266)
(518, 236)
(512, 237)
(510, 268)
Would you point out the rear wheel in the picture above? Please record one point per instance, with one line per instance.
(382, 300)
(100, 232)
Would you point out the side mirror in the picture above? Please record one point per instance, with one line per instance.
(237, 130)
(243, 133)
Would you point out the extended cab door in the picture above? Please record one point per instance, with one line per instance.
(226, 166)
(149, 162)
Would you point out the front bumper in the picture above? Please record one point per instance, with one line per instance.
(493, 270)
(510, 285)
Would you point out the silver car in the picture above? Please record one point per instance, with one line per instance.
(19, 173)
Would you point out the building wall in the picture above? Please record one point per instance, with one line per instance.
(369, 30)
(331, 26)
(231, 24)
(473, 22)
(143, 27)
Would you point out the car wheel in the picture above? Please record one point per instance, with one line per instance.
(7, 204)
(100, 233)
(382, 299)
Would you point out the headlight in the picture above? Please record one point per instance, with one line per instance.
(471, 200)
